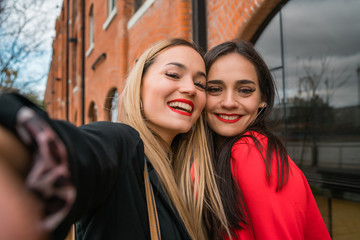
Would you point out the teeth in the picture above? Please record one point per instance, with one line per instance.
(181, 106)
(226, 117)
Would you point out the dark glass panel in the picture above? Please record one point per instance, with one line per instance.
(137, 4)
(322, 101)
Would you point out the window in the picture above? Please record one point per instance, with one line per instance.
(140, 8)
(111, 105)
(316, 63)
(73, 62)
(114, 107)
(91, 31)
(137, 4)
(111, 13)
(112, 5)
(92, 113)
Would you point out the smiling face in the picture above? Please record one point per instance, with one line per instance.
(233, 95)
(172, 91)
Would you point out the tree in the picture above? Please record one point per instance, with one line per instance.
(25, 36)
(313, 111)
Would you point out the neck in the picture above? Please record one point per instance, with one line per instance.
(164, 141)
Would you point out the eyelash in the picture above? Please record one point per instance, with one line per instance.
(200, 85)
(246, 90)
(213, 89)
(172, 75)
(216, 90)
(177, 76)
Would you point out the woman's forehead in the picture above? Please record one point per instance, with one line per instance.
(181, 55)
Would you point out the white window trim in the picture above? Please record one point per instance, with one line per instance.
(110, 18)
(146, 5)
(91, 48)
(91, 31)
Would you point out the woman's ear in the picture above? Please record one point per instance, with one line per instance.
(262, 105)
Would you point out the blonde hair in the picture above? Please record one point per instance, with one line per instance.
(174, 169)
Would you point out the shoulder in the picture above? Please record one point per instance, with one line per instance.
(247, 161)
(251, 146)
(249, 152)
(250, 140)
(104, 128)
(117, 137)
(106, 125)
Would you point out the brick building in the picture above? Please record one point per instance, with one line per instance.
(311, 48)
(94, 51)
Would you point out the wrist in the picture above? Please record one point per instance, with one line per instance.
(13, 153)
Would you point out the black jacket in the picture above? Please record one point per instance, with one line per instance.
(106, 162)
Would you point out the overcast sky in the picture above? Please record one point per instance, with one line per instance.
(315, 30)
(39, 64)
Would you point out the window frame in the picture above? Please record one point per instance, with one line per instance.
(139, 13)
(91, 31)
(112, 12)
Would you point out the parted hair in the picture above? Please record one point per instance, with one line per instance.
(173, 164)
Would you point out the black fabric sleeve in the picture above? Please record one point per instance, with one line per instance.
(98, 154)
(93, 155)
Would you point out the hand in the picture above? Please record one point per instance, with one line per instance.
(20, 211)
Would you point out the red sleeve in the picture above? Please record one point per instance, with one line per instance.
(273, 214)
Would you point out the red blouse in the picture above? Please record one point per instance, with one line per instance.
(290, 213)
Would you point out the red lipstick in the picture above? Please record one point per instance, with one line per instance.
(186, 106)
(238, 117)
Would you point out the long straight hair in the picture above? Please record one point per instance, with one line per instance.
(189, 197)
(231, 194)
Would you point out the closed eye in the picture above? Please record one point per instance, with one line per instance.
(200, 85)
(172, 75)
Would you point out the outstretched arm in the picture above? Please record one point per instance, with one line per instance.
(73, 170)
(20, 211)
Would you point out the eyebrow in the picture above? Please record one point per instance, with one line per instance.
(243, 81)
(182, 66)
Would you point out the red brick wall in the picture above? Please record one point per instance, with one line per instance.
(229, 19)
(163, 20)
(226, 19)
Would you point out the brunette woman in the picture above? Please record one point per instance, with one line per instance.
(94, 174)
(265, 195)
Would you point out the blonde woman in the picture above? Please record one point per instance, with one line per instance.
(93, 175)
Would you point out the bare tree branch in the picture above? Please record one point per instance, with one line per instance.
(24, 29)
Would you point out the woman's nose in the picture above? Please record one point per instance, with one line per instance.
(188, 87)
(229, 101)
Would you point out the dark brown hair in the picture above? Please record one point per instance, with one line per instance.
(231, 194)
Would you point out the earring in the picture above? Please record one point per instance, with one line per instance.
(142, 109)
(260, 111)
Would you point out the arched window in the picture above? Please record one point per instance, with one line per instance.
(111, 105)
(92, 112)
(114, 107)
